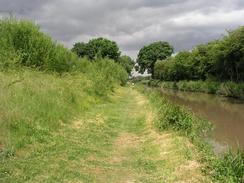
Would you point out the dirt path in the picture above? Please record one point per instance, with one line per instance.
(114, 142)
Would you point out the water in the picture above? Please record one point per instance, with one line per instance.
(226, 114)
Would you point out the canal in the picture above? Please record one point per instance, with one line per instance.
(226, 114)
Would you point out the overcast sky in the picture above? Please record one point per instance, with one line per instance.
(131, 23)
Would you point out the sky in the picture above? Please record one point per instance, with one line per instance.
(131, 23)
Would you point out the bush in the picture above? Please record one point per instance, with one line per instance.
(221, 59)
(227, 89)
(23, 43)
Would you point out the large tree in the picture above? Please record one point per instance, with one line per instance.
(149, 54)
(99, 47)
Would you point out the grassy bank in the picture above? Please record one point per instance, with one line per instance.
(226, 89)
(34, 104)
(228, 167)
(44, 84)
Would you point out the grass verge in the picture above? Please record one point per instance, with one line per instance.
(226, 168)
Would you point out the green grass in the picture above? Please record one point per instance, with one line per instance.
(34, 104)
(226, 168)
(104, 141)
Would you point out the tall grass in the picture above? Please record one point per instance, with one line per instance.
(229, 167)
(34, 103)
(44, 85)
(22, 43)
(171, 116)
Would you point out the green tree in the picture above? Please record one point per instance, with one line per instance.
(149, 54)
(80, 49)
(98, 48)
(229, 58)
(127, 63)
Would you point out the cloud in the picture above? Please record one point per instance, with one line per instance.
(132, 24)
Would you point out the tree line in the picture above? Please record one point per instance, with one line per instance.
(103, 48)
(221, 60)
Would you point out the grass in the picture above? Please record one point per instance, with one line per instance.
(34, 104)
(113, 141)
(226, 168)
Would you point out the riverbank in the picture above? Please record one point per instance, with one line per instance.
(226, 89)
(226, 114)
(224, 168)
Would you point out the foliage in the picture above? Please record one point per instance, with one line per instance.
(149, 54)
(229, 167)
(22, 43)
(227, 89)
(175, 117)
(33, 103)
(97, 48)
(127, 63)
(222, 60)
(80, 49)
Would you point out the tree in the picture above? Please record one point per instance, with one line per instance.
(80, 49)
(149, 54)
(99, 47)
(127, 63)
(230, 60)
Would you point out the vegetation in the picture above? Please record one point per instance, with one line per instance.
(65, 118)
(103, 48)
(221, 60)
(149, 54)
(127, 63)
(226, 89)
(87, 139)
(226, 168)
(23, 44)
(97, 48)
(33, 104)
(171, 116)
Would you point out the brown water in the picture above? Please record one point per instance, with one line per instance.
(226, 114)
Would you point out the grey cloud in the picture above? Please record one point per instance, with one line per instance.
(132, 23)
(20, 7)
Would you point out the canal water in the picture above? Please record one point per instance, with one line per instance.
(226, 114)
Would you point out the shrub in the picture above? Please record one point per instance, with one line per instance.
(227, 89)
(221, 59)
(23, 43)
